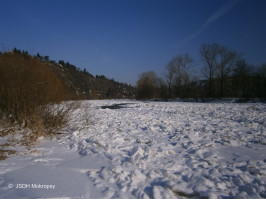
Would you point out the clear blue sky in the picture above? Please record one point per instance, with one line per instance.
(123, 38)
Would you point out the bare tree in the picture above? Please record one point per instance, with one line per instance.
(146, 85)
(185, 62)
(170, 74)
(209, 53)
(226, 60)
(178, 72)
(219, 61)
(242, 79)
(260, 82)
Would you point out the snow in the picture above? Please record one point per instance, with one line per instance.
(148, 150)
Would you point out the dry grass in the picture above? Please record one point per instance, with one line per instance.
(47, 122)
(5, 153)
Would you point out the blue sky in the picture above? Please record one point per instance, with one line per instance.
(123, 38)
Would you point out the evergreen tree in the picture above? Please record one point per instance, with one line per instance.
(46, 58)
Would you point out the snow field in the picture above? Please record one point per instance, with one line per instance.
(148, 150)
(175, 150)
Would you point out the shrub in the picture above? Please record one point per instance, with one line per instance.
(55, 117)
(26, 84)
(30, 93)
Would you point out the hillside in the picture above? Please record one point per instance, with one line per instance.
(84, 85)
(80, 84)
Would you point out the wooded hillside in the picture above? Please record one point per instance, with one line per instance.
(78, 84)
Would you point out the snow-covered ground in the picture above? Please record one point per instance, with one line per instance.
(147, 150)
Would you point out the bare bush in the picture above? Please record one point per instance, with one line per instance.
(31, 96)
(55, 117)
(25, 84)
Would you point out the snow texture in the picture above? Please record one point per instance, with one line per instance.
(133, 149)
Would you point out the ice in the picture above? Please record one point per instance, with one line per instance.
(149, 150)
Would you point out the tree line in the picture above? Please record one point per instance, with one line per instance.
(225, 74)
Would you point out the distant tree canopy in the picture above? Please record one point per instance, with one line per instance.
(150, 86)
(146, 85)
(225, 72)
(101, 77)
